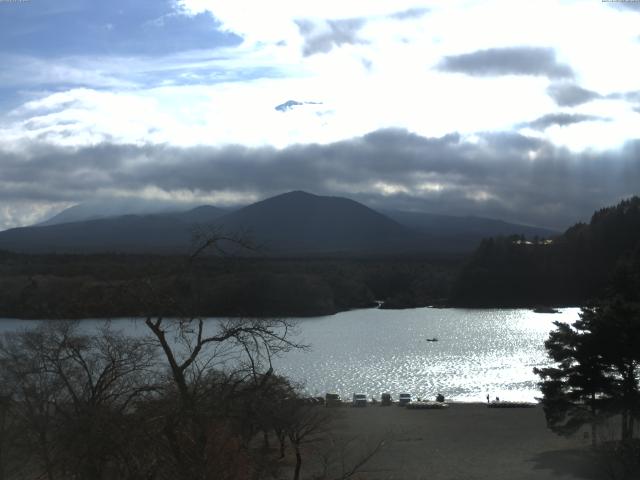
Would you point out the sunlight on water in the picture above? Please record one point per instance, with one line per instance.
(371, 351)
(478, 352)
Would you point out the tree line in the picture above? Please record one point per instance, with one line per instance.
(571, 269)
(98, 286)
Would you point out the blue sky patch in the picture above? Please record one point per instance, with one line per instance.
(116, 27)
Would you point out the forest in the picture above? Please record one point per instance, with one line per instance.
(110, 285)
(571, 269)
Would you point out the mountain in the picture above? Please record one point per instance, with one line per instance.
(290, 104)
(203, 214)
(161, 233)
(299, 222)
(462, 234)
(289, 224)
(294, 223)
(94, 210)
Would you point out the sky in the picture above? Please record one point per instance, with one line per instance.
(528, 111)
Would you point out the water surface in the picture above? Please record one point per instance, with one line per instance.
(371, 351)
(478, 352)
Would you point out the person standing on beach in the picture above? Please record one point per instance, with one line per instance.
(488, 398)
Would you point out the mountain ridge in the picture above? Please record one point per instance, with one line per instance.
(291, 223)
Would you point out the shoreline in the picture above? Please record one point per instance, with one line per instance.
(556, 309)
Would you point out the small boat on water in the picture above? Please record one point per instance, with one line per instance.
(434, 339)
(543, 309)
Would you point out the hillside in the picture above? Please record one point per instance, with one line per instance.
(115, 207)
(165, 233)
(577, 266)
(299, 222)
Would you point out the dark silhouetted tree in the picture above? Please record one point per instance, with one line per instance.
(71, 395)
(598, 369)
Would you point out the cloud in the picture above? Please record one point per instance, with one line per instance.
(25, 72)
(570, 95)
(389, 81)
(624, 4)
(20, 213)
(535, 61)
(561, 120)
(501, 175)
(632, 96)
(322, 37)
(274, 21)
(118, 73)
(410, 13)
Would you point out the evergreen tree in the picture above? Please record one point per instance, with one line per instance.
(576, 391)
(616, 326)
(598, 369)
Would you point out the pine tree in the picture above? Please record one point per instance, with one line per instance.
(598, 369)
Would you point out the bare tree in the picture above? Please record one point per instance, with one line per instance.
(5, 407)
(343, 458)
(240, 350)
(311, 431)
(71, 392)
(306, 424)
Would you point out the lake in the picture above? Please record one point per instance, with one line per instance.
(371, 351)
(478, 352)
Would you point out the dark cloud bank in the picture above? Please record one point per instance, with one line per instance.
(561, 119)
(535, 61)
(496, 177)
(508, 61)
(570, 95)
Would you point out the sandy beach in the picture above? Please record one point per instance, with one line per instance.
(465, 441)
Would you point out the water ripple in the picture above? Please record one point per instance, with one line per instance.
(372, 351)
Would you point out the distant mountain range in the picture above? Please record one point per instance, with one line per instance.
(294, 223)
(97, 209)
